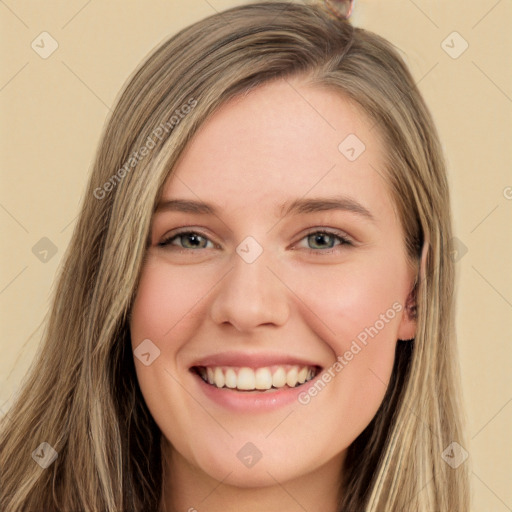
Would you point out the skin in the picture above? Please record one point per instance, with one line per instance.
(301, 297)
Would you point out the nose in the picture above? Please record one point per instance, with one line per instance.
(250, 295)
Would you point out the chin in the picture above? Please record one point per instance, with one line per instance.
(243, 464)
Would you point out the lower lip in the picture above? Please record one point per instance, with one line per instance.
(255, 401)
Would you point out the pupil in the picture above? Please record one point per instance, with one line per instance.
(194, 239)
(319, 238)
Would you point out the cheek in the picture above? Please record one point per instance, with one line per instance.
(166, 311)
(166, 302)
(356, 299)
(359, 310)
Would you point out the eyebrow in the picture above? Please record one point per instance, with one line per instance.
(297, 206)
(321, 204)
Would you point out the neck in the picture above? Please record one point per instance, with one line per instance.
(188, 488)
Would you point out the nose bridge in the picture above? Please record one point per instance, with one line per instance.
(250, 294)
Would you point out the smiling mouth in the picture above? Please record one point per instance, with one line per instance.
(256, 379)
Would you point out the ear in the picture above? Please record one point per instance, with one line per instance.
(407, 327)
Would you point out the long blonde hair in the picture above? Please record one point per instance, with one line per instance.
(82, 396)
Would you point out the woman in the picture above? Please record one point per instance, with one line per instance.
(253, 368)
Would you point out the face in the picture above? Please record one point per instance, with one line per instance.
(274, 288)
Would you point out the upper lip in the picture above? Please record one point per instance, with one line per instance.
(251, 360)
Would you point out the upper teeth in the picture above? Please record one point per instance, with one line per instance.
(260, 378)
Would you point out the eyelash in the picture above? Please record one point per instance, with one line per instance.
(338, 236)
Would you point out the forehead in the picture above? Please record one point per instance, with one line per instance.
(282, 141)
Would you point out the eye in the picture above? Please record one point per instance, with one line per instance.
(321, 240)
(318, 241)
(188, 240)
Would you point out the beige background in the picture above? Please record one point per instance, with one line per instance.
(53, 111)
